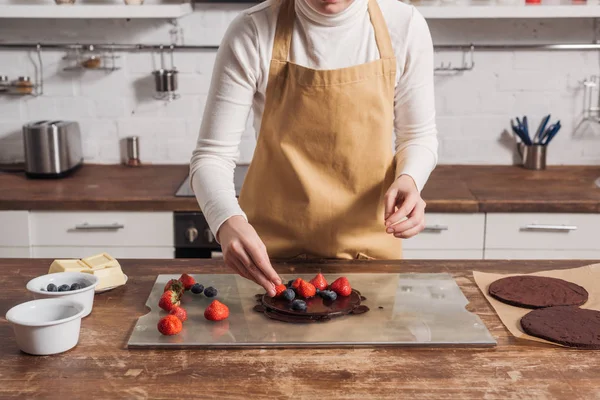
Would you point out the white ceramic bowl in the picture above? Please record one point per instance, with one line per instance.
(84, 296)
(46, 326)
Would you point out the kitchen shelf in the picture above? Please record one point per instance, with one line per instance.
(507, 12)
(76, 11)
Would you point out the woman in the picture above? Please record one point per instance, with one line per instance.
(331, 84)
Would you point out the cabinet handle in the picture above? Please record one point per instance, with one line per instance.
(435, 228)
(87, 227)
(549, 228)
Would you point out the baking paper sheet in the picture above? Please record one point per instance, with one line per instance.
(588, 277)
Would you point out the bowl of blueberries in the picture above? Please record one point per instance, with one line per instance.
(74, 286)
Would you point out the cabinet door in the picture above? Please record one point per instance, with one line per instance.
(542, 254)
(14, 228)
(442, 254)
(15, 252)
(55, 252)
(541, 231)
(449, 231)
(115, 229)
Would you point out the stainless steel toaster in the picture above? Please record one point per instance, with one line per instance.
(52, 148)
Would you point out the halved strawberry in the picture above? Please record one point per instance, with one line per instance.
(341, 286)
(306, 290)
(319, 282)
(169, 300)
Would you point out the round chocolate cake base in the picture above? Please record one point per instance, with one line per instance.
(537, 292)
(317, 308)
(569, 326)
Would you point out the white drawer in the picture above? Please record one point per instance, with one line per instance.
(117, 252)
(14, 228)
(543, 231)
(542, 254)
(442, 254)
(121, 229)
(15, 252)
(449, 231)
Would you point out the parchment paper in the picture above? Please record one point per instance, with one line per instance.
(588, 277)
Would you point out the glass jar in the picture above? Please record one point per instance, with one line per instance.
(4, 83)
(23, 85)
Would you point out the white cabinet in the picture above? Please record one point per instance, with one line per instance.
(448, 236)
(14, 234)
(542, 236)
(117, 252)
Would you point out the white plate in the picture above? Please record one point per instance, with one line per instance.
(112, 287)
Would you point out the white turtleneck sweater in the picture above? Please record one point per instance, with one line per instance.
(319, 41)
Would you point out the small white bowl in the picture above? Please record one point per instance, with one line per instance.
(46, 326)
(84, 296)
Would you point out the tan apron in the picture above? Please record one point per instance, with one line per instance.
(323, 159)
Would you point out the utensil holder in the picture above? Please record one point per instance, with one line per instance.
(532, 157)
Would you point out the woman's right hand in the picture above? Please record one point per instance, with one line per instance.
(246, 254)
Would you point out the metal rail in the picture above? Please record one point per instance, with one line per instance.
(156, 47)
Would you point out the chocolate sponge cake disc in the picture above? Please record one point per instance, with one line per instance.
(537, 292)
(569, 326)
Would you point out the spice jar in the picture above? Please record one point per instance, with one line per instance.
(23, 85)
(92, 62)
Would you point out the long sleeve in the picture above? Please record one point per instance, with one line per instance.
(227, 108)
(414, 124)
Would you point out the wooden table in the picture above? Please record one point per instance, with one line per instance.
(101, 366)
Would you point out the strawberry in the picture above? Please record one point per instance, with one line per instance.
(306, 289)
(187, 281)
(216, 311)
(169, 300)
(296, 283)
(341, 286)
(319, 282)
(179, 312)
(170, 325)
(176, 286)
(279, 289)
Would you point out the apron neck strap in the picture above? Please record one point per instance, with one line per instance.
(285, 27)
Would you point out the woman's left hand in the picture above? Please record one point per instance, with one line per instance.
(403, 200)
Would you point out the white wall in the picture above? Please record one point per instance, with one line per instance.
(474, 108)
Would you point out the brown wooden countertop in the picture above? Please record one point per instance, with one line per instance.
(450, 189)
(101, 366)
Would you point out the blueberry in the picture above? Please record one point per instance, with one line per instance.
(317, 290)
(289, 294)
(64, 288)
(328, 294)
(289, 284)
(51, 287)
(75, 286)
(299, 305)
(210, 291)
(197, 288)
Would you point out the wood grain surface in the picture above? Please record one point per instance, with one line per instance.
(450, 189)
(101, 367)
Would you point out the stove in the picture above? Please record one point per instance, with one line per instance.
(193, 237)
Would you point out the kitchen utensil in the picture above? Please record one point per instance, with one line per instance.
(533, 157)
(541, 130)
(46, 326)
(84, 296)
(52, 148)
(165, 80)
(133, 151)
(519, 132)
(591, 96)
(551, 133)
(407, 309)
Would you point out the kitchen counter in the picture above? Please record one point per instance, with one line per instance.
(101, 366)
(465, 189)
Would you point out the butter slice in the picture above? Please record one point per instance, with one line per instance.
(67, 266)
(103, 265)
(106, 268)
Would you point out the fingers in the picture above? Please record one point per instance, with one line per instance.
(261, 268)
(407, 206)
(413, 225)
(409, 233)
(390, 202)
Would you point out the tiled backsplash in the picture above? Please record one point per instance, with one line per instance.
(474, 108)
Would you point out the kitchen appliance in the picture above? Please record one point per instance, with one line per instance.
(193, 237)
(52, 148)
(407, 309)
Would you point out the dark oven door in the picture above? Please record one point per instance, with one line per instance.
(193, 237)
